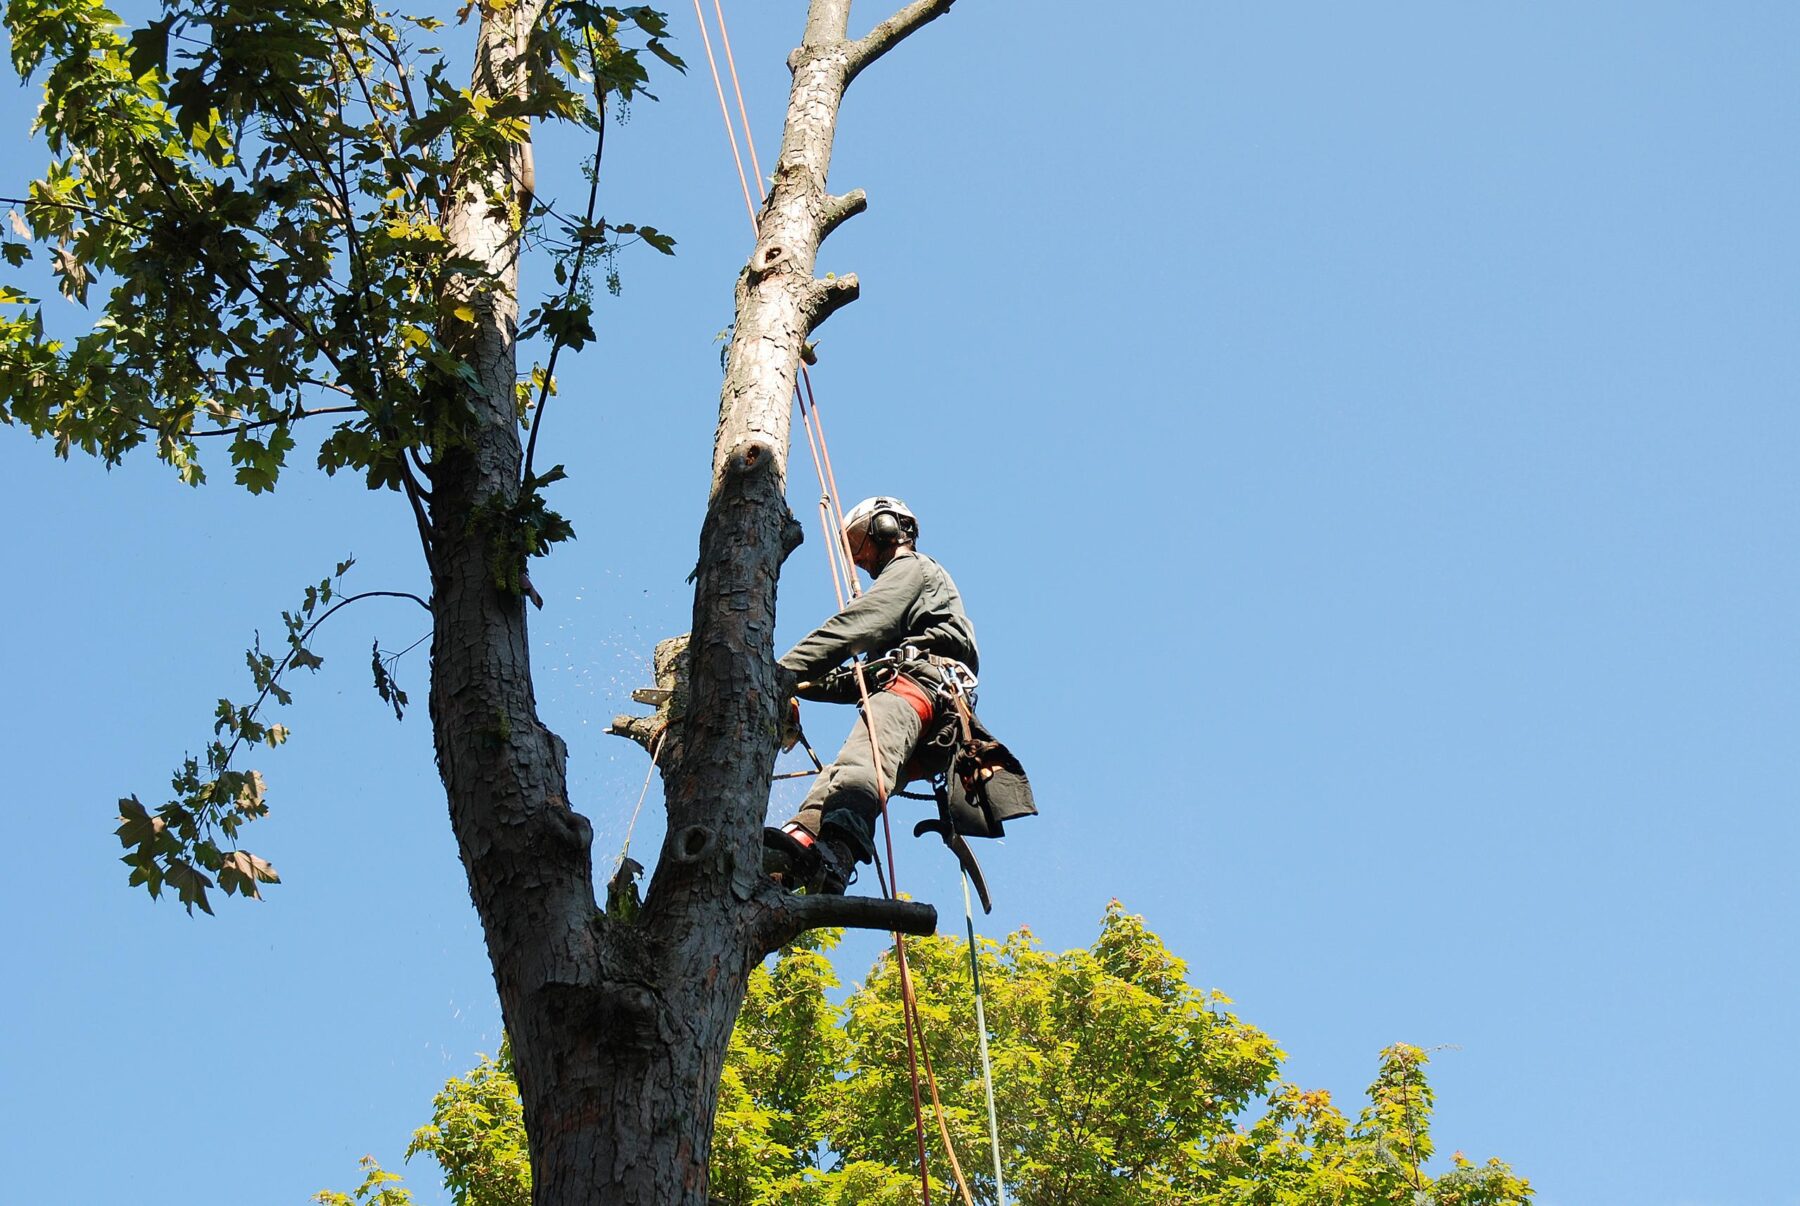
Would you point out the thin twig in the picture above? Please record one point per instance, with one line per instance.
(581, 250)
(289, 417)
(423, 469)
(400, 73)
(387, 135)
(285, 662)
(394, 657)
(74, 207)
(420, 516)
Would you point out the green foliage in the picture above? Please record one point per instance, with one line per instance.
(477, 1136)
(382, 664)
(521, 529)
(778, 1083)
(248, 197)
(255, 191)
(190, 843)
(1117, 1084)
(1110, 1071)
(379, 1188)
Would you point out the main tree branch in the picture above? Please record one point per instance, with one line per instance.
(891, 32)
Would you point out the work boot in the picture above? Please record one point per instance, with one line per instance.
(838, 856)
(797, 860)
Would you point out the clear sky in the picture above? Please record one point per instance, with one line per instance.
(1365, 436)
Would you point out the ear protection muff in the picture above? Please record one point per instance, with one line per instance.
(885, 528)
(883, 519)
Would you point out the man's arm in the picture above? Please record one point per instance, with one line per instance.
(874, 622)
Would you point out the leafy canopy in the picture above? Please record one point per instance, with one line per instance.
(250, 200)
(1117, 1084)
(259, 189)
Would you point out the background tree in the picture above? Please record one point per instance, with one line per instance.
(1117, 1081)
(297, 218)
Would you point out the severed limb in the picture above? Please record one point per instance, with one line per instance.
(787, 916)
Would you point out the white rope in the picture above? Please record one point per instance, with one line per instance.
(987, 1067)
(655, 752)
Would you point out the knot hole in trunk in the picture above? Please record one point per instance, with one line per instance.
(694, 843)
(751, 456)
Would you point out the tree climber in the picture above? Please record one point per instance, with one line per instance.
(911, 621)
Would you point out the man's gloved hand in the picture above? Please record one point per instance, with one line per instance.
(838, 686)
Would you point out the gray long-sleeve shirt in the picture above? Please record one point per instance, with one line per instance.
(911, 602)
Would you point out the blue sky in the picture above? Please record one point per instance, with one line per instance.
(1365, 438)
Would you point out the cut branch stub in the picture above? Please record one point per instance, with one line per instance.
(660, 732)
(839, 210)
(826, 297)
(785, 917)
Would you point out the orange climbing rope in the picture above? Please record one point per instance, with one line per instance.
(843, 577)
(724, 112)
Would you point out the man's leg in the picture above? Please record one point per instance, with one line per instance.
(843, 804)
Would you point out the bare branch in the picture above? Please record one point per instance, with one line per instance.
(891, 32)
(421, 469)
(839, 210)
(791, 916)
(826, 21)
(826, 297)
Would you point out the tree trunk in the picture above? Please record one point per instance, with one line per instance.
(619, 1025)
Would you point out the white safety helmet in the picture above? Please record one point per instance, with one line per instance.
(885, 518)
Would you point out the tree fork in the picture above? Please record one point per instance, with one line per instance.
(619, 1027)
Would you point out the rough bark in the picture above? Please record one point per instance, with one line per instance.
(619, 1025)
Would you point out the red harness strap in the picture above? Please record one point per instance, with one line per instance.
(915, 695)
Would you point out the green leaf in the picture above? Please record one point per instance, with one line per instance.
(657, 239)
(260, 462)
(150, 48)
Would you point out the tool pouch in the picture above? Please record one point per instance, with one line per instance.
(984, 788)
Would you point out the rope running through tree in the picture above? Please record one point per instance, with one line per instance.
(844, 583)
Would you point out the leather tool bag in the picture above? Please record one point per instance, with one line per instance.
(985, 786)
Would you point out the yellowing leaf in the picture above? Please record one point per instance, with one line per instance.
(465, 312)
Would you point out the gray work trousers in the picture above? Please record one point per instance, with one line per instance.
(844, 796)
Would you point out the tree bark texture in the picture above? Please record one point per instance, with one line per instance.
(619, 1025)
